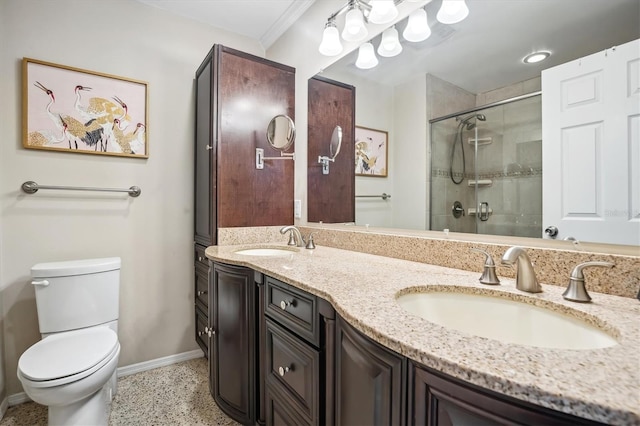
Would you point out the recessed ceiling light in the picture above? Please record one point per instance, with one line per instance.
(536, 57)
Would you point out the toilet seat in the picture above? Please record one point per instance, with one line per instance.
(68, 357)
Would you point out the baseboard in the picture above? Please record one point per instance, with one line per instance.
(159, 362)
(4, 405)
(17, 398)
(127, 370)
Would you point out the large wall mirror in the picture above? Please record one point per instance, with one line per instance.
(458, 69)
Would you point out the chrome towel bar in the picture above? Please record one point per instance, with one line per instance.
(30, 187)
(384, 196)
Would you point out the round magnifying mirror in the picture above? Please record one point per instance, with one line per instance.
(281, 132)
(336, 142)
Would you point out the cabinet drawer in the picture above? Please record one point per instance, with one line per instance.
(293, 369)
(280, 413)
(202, 323)
(200, 257)
(293, 308)
(202, 286)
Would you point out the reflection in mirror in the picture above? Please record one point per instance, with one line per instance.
(459, 68)
(336, 142)
(334, 149)
(281, 132)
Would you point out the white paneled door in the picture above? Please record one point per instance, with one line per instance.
(591, 147)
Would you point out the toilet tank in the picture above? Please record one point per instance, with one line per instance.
(76, 294)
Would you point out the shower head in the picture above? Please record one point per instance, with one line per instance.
(469, 125)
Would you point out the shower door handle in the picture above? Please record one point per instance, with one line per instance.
(483, 211)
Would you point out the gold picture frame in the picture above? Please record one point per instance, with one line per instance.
(371, 152)
(69, 109)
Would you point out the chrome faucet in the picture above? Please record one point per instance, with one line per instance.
(525, 276)
(295, 237)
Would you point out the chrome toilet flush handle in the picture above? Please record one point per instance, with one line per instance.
(42, 283)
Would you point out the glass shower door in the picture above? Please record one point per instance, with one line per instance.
(498, 183)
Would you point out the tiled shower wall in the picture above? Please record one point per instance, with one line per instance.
(509, 162)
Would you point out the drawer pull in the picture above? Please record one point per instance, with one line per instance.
(200, 293)
(286, 303)
(283, 370)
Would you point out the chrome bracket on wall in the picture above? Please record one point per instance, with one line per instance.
(260, 157)
(325, 164)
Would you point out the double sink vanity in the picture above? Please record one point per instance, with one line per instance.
(345, 337)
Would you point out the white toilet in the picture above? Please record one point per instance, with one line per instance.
(72, 370)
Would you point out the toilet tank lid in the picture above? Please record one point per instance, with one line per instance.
(75, 267)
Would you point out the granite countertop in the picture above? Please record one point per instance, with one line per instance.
(599, 384)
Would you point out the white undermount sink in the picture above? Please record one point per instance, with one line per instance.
(266, 251)
(505, 320)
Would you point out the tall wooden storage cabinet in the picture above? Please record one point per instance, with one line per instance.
(237, 95)
(331, 196)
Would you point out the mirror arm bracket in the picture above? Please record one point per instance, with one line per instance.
(325, 163)
(260, 157)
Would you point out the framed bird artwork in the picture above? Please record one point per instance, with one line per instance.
(372, 148)
(74, 110)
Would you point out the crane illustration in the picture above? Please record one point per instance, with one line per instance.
(47, 137)
(99, 108)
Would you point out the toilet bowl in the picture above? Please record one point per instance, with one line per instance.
(71, 372)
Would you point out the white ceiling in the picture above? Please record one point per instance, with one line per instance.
(262, 20)
(481, 53)
(485, 51)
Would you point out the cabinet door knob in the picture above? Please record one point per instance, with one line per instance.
(200, 258)
(285, 303)
(200, 333)
(201, 292)
(283, 370)
(211, 332)
(209, 147)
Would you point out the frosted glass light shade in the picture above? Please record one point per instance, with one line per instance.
(389, 45)
(330, 45)
(354, 28)
(366, 57)
(452, 11)
(417, 28)
(382, 11)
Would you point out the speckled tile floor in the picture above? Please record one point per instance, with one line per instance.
(174, 395)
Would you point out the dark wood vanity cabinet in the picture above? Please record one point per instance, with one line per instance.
(298, 356)
(234, 347)
(370, 386)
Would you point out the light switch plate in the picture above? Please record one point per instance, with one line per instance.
(297, 209)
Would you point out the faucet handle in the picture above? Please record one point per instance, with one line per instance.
(292, 240)
(310, 244)
(488, 276)
(576, 290)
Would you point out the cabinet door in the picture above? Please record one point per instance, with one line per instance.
(441, 401)
(204, 197)
(233, 355)
(370, 381)
(331, 104)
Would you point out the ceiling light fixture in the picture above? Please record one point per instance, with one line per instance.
(366, 57)
(354, 28)
(389, 44)
(452, 11)
(359, 13)
(330, 45)
(417, 27)
(535, 57)
(382, 11)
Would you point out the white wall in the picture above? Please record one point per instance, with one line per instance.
(153, 233)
